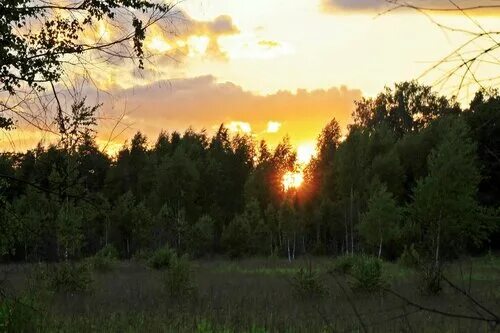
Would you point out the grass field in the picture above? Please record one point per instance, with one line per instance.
(257, 295)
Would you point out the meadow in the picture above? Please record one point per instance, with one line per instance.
(254, 295)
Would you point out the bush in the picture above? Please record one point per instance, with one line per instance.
(178, 281)
(161, 258)
(108, 251)
(105, 259)
(70, 277)
(18, 315)
(307, 284)
(409, 257)
(102, 264)
(143, 255)
(430, 279)
(367, 274)
(344, 264)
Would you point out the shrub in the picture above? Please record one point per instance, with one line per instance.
(409, 257)
(161, 258)
(143, 255)
(70, 277)
(430, 279)
(307, 284)
(178, 280)
(344, 264)
(108, 251)
(101, 263)
(367, 274)
(105, 259)
(18, 315)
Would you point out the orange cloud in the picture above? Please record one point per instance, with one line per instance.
(203, 103)
(239, 127)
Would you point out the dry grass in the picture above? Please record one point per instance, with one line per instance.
(255, 295)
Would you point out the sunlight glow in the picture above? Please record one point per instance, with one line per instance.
(159, 44)
(305, 152)
(239, 127)
(273, 127)
(198, 45)
(248, 46)
(292, 180)
(103, 32)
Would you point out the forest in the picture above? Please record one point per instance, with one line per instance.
(415, 172)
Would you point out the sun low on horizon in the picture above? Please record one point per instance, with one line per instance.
(267, 68)
(216, 165)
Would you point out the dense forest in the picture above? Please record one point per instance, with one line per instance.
(415, 173)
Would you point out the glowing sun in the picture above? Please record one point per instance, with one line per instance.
(292, 180)
(305, 153)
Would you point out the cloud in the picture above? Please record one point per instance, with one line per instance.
(239, 127)
(168, 47)
(185, 27)
(273, 127)
(203, 103)
(477, 6)
(269, 43)
(349, 5)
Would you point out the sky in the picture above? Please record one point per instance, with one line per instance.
(269, 68)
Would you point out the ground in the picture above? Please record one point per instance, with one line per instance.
(258, 295)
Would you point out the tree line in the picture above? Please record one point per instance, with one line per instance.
(415, 173)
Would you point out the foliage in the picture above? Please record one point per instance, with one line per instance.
(19, 315)
(162, 258)
(178, 278)
(236, 237)
(105, 259)
(307, 284)
(108, 251)
(409, 257)
(344, 264)
(202, 236)
(367, 274)
(143, 255)
(380, 223)
(69, 277)
(430, 278)
(41, 39)
(223, 194)
(69, 229)
(444, 210)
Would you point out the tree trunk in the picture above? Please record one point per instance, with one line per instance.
(288, 247)
(128, 248)
(106, 230)
(380, 248)
(351, 220)
(438, 240)
(318, 233)
(271, 244)
(346, 233)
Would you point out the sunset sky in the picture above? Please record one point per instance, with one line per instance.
(267, 67)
